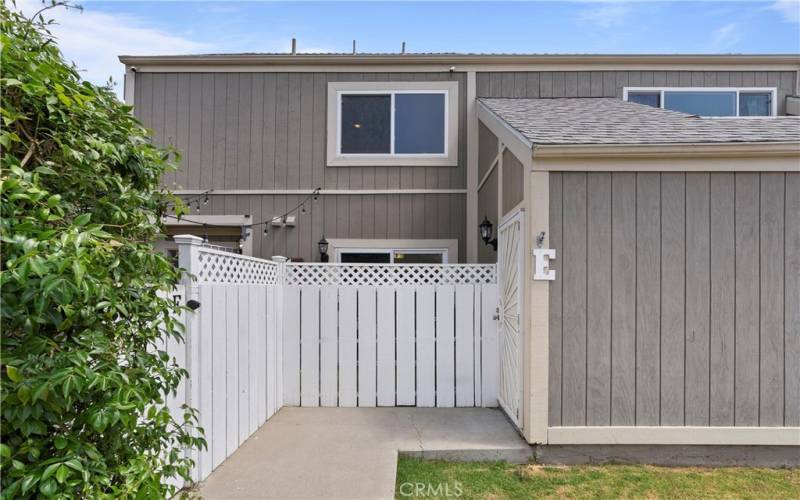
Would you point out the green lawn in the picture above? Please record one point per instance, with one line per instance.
(441, 479)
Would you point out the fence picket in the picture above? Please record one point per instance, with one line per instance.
(445, 346)
(219, 361)
(329, 343)
(232, 369)
(309, 345)
(270, 390)
(490, 357)
(465, 345)
(256, 355)
(366, 345)
(406, 385)
(243, 362)
(204, 376)
(385, 347)
(348, 345)
(426, 346)
(291, 346)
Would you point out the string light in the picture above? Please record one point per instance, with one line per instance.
(302, 209)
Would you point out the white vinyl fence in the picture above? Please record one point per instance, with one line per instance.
(268, 334)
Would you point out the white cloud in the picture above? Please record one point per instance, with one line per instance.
(605, 16)
(726, 36)
(789, 10)
(94, 40)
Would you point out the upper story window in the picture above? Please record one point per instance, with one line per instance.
(729, 102)
(392, 123)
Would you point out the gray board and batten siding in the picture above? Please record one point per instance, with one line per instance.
(677, 300)
(611, 83)
(251, 131)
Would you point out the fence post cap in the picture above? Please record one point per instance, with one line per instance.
(187, 239)
(280, 258)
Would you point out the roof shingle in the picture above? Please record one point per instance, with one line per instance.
(614, 121)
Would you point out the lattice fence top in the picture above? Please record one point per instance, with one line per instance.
(220, 266)
(389, 274)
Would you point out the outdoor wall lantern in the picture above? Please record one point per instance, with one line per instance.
(323, 249)
(486, 233)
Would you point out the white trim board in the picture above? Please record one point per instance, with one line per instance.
(773, 436)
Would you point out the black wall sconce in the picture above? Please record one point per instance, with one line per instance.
(486, 233)
(323, 249)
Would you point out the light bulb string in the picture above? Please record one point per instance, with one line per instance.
(314, 194)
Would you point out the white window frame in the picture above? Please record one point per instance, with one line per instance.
(447, 88)
(738, 90)
(447, 247)
(392, 251)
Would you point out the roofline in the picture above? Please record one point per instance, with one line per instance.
(452, 59)
(784, 149)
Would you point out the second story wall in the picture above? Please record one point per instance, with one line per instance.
(611, 83)
(268, 131)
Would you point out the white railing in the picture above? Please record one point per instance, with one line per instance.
(213, 265)
(389, 274)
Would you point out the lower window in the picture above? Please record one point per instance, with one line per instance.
(392, 256)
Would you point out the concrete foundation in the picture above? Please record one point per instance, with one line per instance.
(670, 455)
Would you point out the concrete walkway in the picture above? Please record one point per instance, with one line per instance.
(352, 452)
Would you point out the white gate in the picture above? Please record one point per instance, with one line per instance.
(510, 271)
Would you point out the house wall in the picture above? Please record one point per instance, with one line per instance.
(677, 299)
(513, 181)
(267, 131)
(611, 83)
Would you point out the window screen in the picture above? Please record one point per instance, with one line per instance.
(366, 257)
(755, 104)
(419, 123)
(701, 103)
(648, 98)
(366, 124)
(401, 257)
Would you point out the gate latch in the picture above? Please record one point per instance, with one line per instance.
(496, 316)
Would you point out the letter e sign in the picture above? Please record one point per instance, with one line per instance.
(541, 257)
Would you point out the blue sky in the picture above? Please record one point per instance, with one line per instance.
(104, 30)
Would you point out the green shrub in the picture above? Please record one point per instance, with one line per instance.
(83, 312)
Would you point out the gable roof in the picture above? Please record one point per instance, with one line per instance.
(601, 121)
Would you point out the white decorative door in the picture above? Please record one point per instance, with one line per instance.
(510, 271)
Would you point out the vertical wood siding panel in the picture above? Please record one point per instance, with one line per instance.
(697, 298)
(294, 140)
(747, 298)
(183, 125)
(609, 84)
(623, 298)
(635, 78)
(584, 84)
(597, 83)
(685, 79)
(648, 307)
(256, 169)
(218, 150)
(245, 102)
(621, 83)
(281, 129)
(571, 84)
(673, 78)
(319, 125)
(482, 84)
(723, 272)
(231, 117)
(659, 78)
(546, 84)
(673, 289)
(533, 85)
(574, 305)
(156, 112)
(771, 339)
(520, 84)
(554, 299)
(507, 84)
(792, 301)
(647, 78)
(169, 108)
(598, 307)
(559, 84)
(269, 145)
(495, 85)
(206, 144)
(697, 78)
(710, 79)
